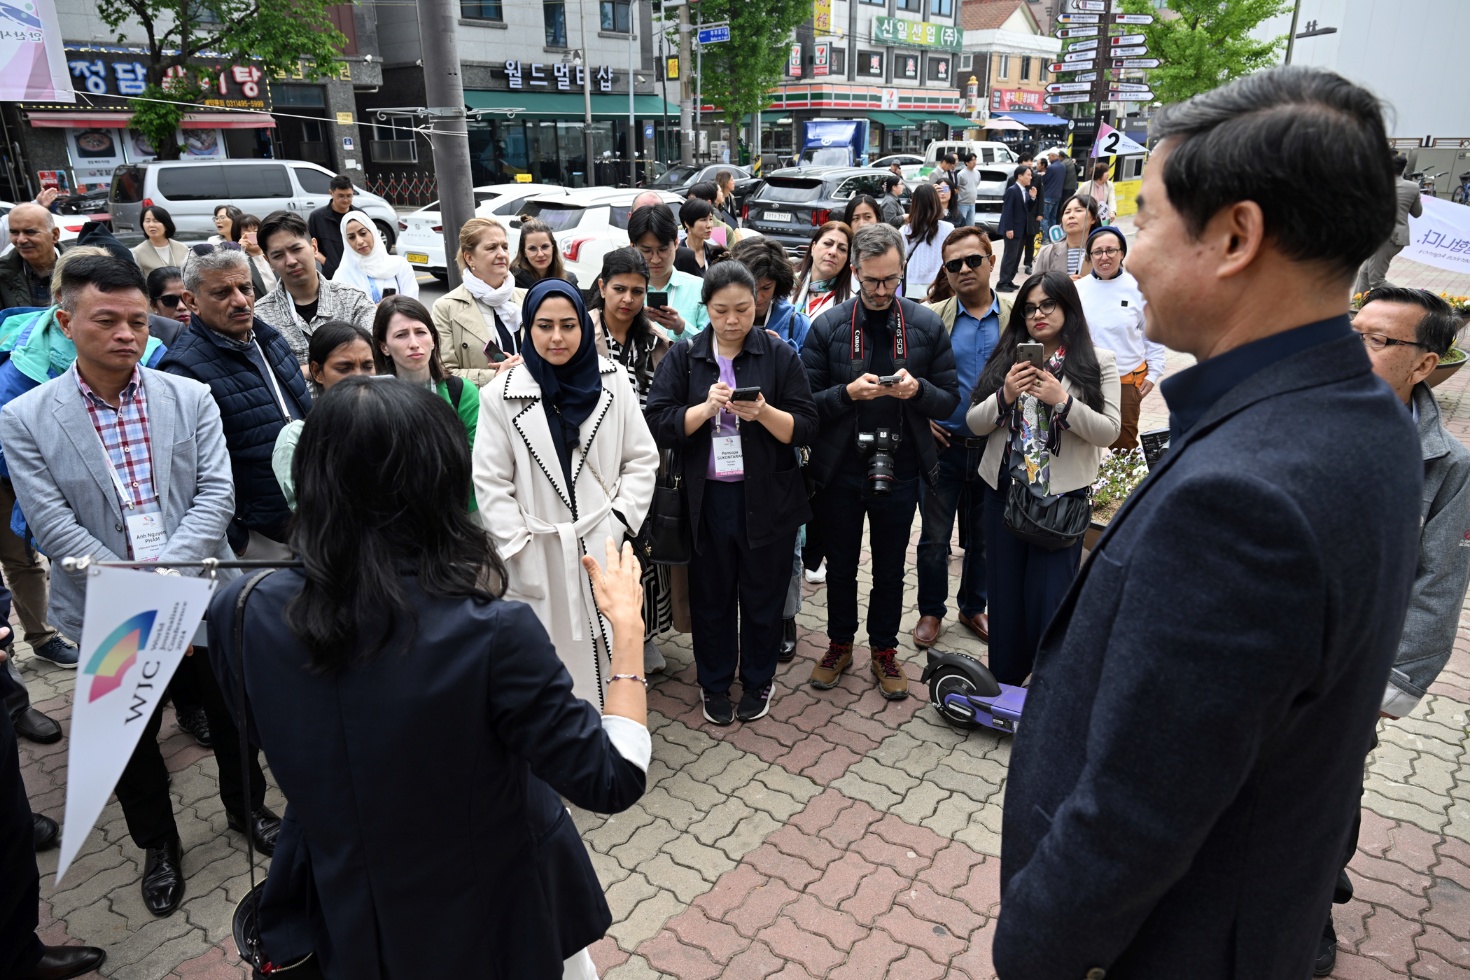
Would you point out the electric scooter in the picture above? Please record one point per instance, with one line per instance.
(967, 695)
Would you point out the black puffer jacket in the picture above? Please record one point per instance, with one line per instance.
(252, 417)
(827, 357)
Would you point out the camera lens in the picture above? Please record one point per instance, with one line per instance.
(880, 474)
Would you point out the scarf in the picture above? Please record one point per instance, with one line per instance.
(1036, 434)
(360, 270)
(569, 392)
(498, 299)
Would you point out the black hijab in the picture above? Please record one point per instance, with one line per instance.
(569, 392)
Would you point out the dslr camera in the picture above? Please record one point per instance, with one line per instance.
(879, 446)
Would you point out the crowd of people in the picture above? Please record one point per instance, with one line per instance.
(281, 393)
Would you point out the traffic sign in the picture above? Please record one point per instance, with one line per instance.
(1073, 66)
(1072, 56)
(1079, 19)
(1098, 6)
(1087, 76)
(1133, 18)
(1128, 52)
(1083, 86)
(1078, 32)
(1135, 62)
(1130, 96)
(1085, 45)
(1123, 39)
(717, 34)
(1067, 99)
(1129, 86)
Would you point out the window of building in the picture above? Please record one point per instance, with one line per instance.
(941, 8)
(1025, 69)
(1003, 66)
(615, 16)
(482, 11)
(870, 63)
(914, 5)
(839, 61)
(967, 62)
(555, 14)
(905, 66)
(938, 68)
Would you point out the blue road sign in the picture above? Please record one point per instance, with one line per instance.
(714, 35)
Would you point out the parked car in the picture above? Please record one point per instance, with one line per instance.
(421, 234)
(911, 163)
(795, 202)
(190, 190)
(986, 152)
(587, 223)
(680, 178)
(92, 202)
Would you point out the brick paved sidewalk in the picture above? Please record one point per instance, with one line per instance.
(842, 836)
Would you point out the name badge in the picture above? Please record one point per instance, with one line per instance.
(729, 460)
(147, 536)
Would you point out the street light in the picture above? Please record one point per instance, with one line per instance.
(1312, 31)
(590, 177)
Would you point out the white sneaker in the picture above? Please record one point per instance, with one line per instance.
(817, 577)
(653, 659)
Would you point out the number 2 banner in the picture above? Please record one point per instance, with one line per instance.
(1111, 143)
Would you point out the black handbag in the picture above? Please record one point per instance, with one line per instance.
(665, 533)
(1053, 522)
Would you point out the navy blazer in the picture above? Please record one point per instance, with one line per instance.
(1183, 781)
(394, 861)
(1015, 213)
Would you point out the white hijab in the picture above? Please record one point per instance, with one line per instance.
(356, 270)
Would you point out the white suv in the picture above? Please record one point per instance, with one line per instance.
(587, 224)
(421, 233)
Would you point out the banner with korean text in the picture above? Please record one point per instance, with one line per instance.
(1441, 236)
(136, 628)
(32, 62)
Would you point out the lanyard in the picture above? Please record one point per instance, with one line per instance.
(900, 335)
(280, 398)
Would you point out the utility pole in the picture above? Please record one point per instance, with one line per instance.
(698, 81)
(686, 120)
(590, 177)
(448, 134)
(632, 125)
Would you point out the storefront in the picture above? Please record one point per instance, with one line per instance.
(903, 120)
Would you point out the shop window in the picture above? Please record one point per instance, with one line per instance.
(482, 11)
(615, 16)
(555, 14)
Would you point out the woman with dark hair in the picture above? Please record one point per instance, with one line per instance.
(406, 346)
(1077, 218)
(262, 276)
(394, 626)
(159, 248)
(774, 280)
(337, 350)
(1100, 189)
(924, 235)
(1047, 427)
(566, 461)
(824, 278)
(225, 216)
(166, 293)
(745, 492)
(697, 217)
(537, 256)
(861, 210)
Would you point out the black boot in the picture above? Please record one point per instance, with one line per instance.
(787, 652)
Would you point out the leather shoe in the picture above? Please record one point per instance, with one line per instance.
(265, 827)
(787, 651)
(61, 962)
(978, 624)
(163, 878)
(31, 724)
(48, 832)
(926, 632)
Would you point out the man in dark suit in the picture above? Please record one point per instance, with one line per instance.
(1015, 226)
(1183, 782)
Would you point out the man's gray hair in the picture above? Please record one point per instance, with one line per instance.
(197, 265)
(874, 240)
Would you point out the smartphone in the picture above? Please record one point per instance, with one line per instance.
(658, 298)
(394, 292)
(746, 394)
(495, 355)
(890, 379)
(1030, 351)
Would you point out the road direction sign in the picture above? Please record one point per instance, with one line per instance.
(1122, 39)
(1135, 62)
(1073, 66)
(1085, 45)
(1072, 56)
(1078, 32)
(1083, 86)
(1067, 99)
(1129, 86)
(1079, 19)
(717, 34)
(1133, 18)
(1144, 96)
(1129, 52)
(1087, 76)
(1098, 6)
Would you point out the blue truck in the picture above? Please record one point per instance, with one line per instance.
(834, 143)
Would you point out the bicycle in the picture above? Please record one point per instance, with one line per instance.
(1461, 194)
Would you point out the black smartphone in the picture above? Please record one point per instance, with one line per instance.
(746, 394)
(394, 292)
(890, 379)
(1031, 352)
(658, 298)
(495, 355)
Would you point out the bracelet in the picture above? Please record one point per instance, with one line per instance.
(627, 677)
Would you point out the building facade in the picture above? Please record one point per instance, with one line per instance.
(1006, 55)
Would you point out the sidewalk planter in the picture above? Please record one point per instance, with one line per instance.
(1448, 365)
(1117, 476)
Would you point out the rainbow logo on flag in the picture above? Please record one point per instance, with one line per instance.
(117, 653)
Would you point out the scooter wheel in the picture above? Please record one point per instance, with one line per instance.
(952, 680)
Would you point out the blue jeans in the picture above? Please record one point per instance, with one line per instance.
(958, 487)
(1048, 215)
(967, 215)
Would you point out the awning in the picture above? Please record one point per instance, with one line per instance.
(1000, 124)
(121, 120)
(942, 119)
(1034, 119)
(569, 105)
(893, 120)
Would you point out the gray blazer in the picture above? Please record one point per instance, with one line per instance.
(1409, 202)
(64, 489)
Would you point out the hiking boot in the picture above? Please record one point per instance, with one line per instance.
(891, 679)
(837, 659)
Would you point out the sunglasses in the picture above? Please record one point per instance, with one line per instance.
(974, 261)
(170, 300)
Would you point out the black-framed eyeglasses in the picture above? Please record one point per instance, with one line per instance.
(975, 260)
(871, 284)
(1046, 308)
(207, 248)
(1105, 252)
(170, 300)
(1376, 341)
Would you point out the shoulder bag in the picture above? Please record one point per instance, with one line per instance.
(1053, 522)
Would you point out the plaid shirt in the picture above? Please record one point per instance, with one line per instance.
(335, 301)
(124, 434)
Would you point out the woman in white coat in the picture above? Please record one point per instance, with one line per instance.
(564, 461)
(367, 265)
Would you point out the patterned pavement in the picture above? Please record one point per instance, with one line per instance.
(842, 836)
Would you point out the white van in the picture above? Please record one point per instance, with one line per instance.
(984, 151)
(191, 190)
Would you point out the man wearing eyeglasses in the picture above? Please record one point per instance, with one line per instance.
(1114, 309)
(1406, 332)
(974, 316)
(881, 369)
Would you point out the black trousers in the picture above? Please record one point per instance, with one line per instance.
(730, 582)
(1010, 259)
(142, 789)
(842, 506)
(20, 883)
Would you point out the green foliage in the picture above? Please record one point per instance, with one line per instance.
(1118, 475)
(1208, 44)
(273, 35)
(739, 74)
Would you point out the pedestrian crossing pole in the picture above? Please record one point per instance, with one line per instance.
(448, 124)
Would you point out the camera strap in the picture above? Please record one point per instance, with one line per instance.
(899, 329)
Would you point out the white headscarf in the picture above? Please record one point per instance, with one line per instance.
(355, 270)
